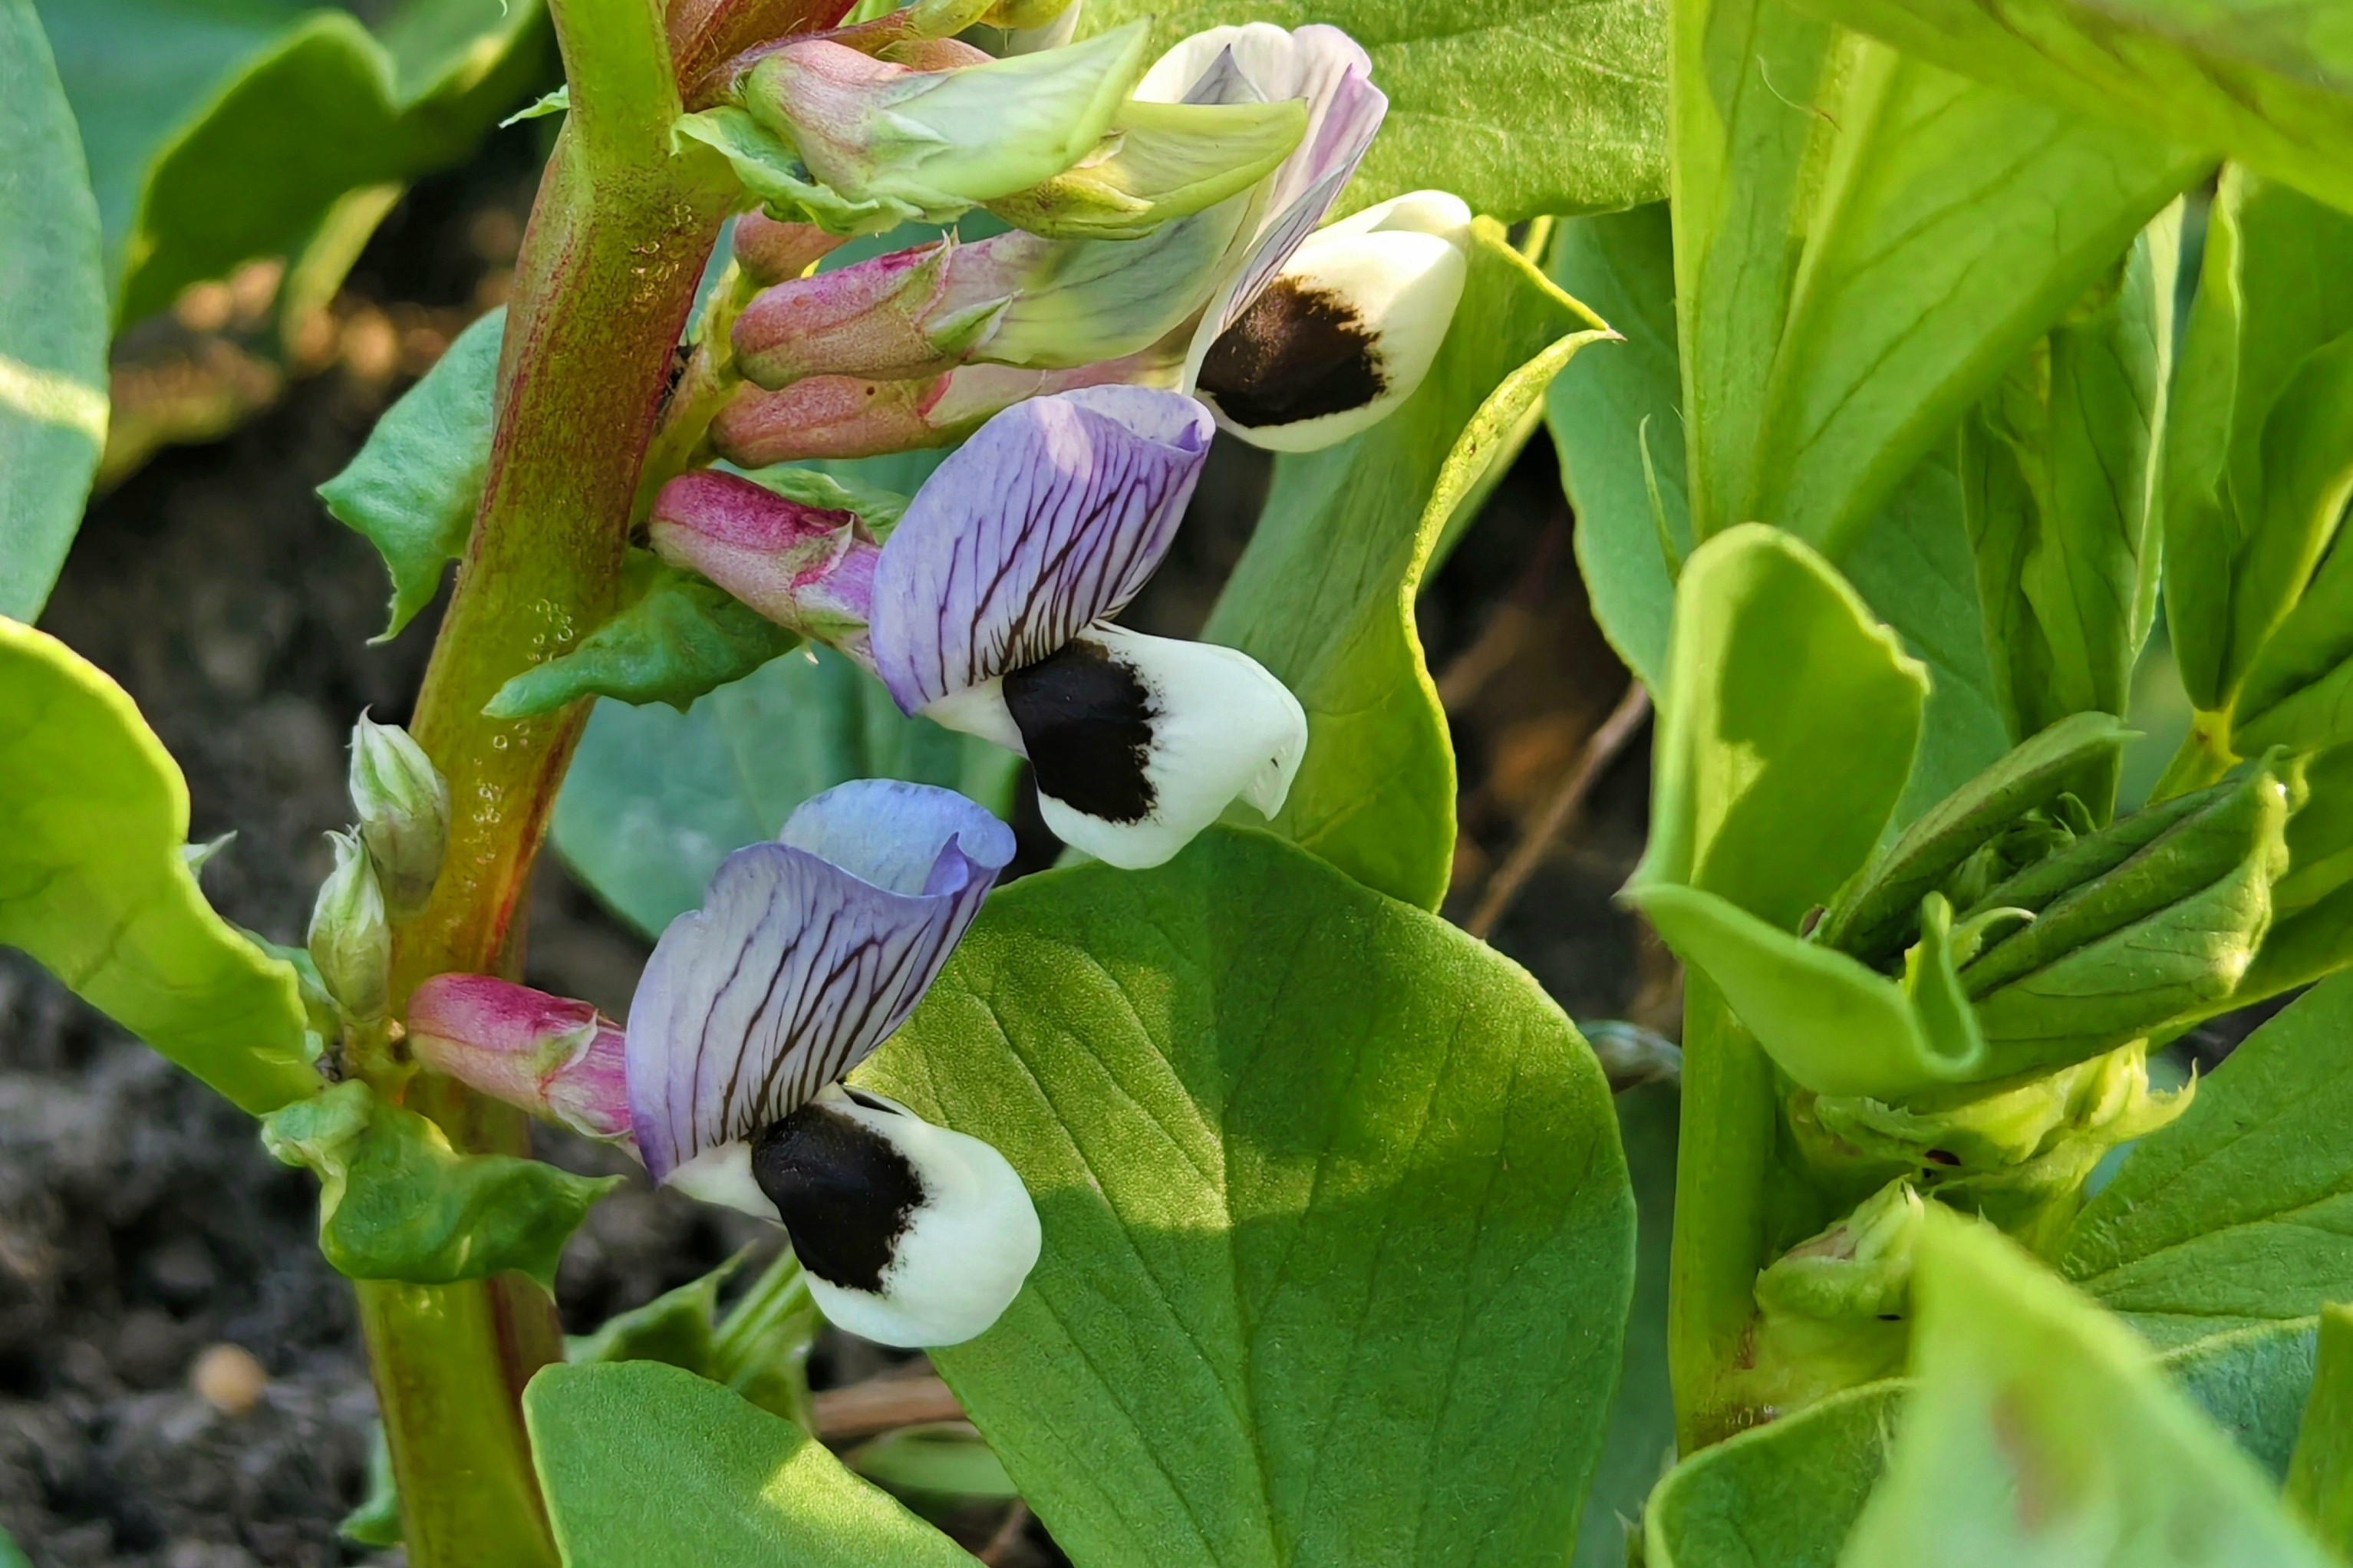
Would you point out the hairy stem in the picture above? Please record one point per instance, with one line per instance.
(1724, 1167)
(616, 241)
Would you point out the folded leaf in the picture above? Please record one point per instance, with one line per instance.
(645, 1466)
(2058, 467)
(53, 319)
(397, 1202)
(413, 488)
(1864, 241)
(1324, 597)
(1337, 1234)
(2037, 1432)
(674, 637)
(2269, 83)
(94, 819)
(2242, 1212)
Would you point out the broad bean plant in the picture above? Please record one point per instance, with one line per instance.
(1911, 365)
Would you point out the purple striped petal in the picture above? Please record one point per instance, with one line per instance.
(807, 954)
(1052, 516)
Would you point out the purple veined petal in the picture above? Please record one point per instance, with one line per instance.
(807, 954)
(1051, 516)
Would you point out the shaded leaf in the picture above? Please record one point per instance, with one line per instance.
(397, 1202)
(656, 799)
(1526, 107)
(1337, 1235)
(221, 131)
(53, 321)
(645, 1466)
(2037, 1432)
(2320, 1474)
(2242, 1212)
(1863, 242)
(675, 1327)
(1323, 595)
(93, 817)
(943, 1462)
(414, 486)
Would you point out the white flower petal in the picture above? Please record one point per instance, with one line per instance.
(1140, 742)
(910, 1234)
(721, 1174)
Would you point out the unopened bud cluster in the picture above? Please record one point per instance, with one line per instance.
(384, 866)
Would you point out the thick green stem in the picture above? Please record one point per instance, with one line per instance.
(1724, 1166)
(616, 242)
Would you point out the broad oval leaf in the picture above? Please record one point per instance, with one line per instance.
(93, 818)
(2037, 1432)
(225, 131)
(1324, 596)
(656, 799)
(2242, 1212)
(646, 1466)
(2271, 83)
(52, 319)
(1865, 241)
(1339, 1240)
(1525, 107)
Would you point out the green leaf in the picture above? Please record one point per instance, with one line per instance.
(413, 488)
(1911, 564)
(93, 817)
(2320, 1475)
(1323, 595)
(1641, 1442)
(674, 638)
(2256, 470)
(1780, 1495)
(675, 1327)
(2242, 1212)
(223, 130)
(2271, 83)
(52, 319)
(1519, 107)
(397, 1202)
(376, 1520)
(2037, 1432)
(1785, 1495)
(645, 1466)
(1864, 241)
(944, 1461)
(655, 799)
(2059, 471)
(1337, 1235)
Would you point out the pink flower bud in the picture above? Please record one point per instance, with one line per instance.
(912, 313)
(773, 252)
(559, 1060)
(802, 567)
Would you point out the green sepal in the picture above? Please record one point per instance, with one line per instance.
(674, 637)
(772, 170)
(1872, 916)
(397, 1202)
(1159, 161)
(413, 488)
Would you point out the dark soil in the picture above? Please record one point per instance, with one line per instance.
(141, 1221)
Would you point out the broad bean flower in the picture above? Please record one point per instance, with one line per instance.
(989, 609)
(1296, 341)
(807, 954)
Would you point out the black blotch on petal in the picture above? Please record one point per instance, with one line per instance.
(1086, 721)
(1297, 354)
(845, 1193)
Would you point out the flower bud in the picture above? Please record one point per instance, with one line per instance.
(771, 252)
(561, 1060)
(350, 940)
(1159, 162)
(1347, 328)
(1833, 1310)
(914, 313)
(403, 810)
(807, 569)
(940, 142)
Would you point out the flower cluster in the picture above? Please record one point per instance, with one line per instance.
(1165, 273)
